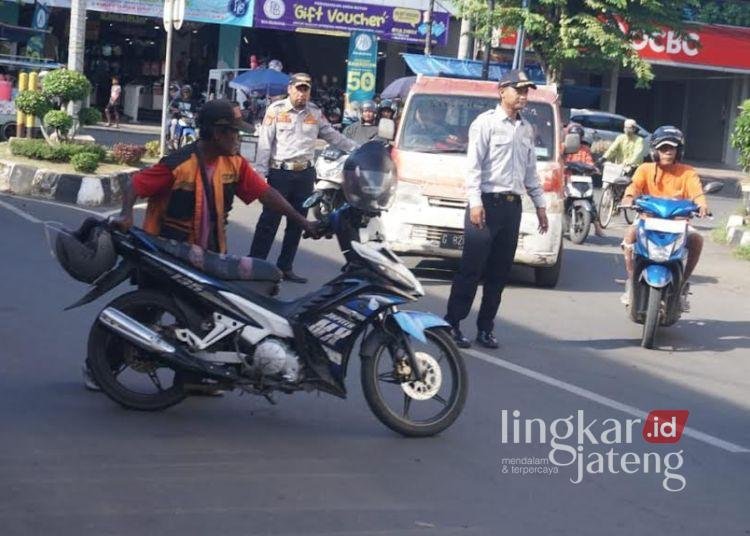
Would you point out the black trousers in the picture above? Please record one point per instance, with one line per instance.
(295, 186)
(487, 252)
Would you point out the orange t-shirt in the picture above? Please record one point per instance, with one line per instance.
(678, 181)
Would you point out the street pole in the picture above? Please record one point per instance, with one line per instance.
(466, 41)
(520, 52)
(428, 36)
(76, 42)
(488, 48)
(165, 96)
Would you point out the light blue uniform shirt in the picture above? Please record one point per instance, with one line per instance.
(501, 158)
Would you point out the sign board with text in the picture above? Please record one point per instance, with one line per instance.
(362, 66)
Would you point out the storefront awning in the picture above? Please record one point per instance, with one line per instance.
(458, 68)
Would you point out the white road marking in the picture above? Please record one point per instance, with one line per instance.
(69, 206)
(19, 212)
(603, 400)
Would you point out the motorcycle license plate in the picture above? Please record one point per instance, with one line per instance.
(580, 178)
(452, 241)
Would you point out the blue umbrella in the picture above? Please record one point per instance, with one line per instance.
(399, 88)
(266, 81)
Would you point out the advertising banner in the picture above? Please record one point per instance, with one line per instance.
(387, 22)
(362, 66)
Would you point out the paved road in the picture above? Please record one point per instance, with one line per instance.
(72, 462)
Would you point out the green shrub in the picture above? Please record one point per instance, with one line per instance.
(64, 152)
(85, 162)
(58, 120)
(741, 135)
(128, 154)
(153, 148)
(33, 102)
(743, 252)
(89, 116)
(66, 85)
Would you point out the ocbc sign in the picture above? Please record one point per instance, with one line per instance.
(669, 43)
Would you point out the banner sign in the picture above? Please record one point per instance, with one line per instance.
(387, 22)
(362, 66)
(236, 12)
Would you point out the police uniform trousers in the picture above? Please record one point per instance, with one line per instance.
(295, 186)
(487, 253)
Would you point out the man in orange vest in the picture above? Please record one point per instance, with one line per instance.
(190, 191)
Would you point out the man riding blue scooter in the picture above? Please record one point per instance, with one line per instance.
(669, 179)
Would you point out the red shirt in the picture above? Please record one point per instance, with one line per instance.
(158, 180)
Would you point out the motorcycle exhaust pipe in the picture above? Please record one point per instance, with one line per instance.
(132, 330)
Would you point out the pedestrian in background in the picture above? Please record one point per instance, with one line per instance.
(286, 148)
(110, 110)
(501, 162)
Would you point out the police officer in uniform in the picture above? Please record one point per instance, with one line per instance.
(501, 167)
(286, 147)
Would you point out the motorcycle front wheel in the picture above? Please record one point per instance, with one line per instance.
(607, 207)
(651, 323)
(416, 408)
(580, 224)
(127, 374)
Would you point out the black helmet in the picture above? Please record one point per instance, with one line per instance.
(370, 177)
(386, 103)
(87, 253)
(575, 128)
(669, 135)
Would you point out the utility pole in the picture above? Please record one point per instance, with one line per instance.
(174, 15)
(428, 36)
(76, 43)
(488, 48)
(466, 41)
(519, 55)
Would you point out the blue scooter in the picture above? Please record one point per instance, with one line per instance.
(660, 254)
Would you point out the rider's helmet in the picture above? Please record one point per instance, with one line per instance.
(368, 105)
(666, 135)
(87, 253)
(370, 177)
(575, 128)
(186, 89)
(386, 108)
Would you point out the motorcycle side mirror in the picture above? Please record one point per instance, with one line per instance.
(713, 187)
(386, 129)
(572, 143)
(313, 200)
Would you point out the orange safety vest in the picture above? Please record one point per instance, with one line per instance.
(178, 213)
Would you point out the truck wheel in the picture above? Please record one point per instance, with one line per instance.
(547, 276)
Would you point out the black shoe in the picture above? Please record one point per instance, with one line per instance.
(487, 339)
(459, 339)
(294, 278)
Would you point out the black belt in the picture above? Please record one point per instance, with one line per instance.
(502, 196)
(291, 166)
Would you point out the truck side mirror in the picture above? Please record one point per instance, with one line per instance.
(572, 143)
(386, 129)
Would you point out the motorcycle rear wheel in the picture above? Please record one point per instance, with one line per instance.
(651, 322)
(121, 369)
(381, 385)
(607, 207)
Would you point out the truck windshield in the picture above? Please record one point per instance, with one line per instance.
(440, 124)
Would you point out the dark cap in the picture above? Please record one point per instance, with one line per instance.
(299, 79)
(516, 78)
(223, 113)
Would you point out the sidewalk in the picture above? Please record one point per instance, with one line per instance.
(131, 128)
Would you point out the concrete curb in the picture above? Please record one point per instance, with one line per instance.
(738, 226)
(85, 190)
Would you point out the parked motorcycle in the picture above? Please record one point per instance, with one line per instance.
(660, 253)
(615, 179)
(329, 170)
(579, 200)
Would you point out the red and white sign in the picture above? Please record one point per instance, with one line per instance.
(720, 47)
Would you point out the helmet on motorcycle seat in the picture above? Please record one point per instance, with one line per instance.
(86, 254)
(370, 177)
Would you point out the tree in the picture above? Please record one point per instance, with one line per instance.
(741, 136)
(597, 33)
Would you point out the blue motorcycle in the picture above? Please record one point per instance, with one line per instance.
(659, 259)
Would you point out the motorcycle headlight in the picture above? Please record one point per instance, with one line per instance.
(660, 253)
